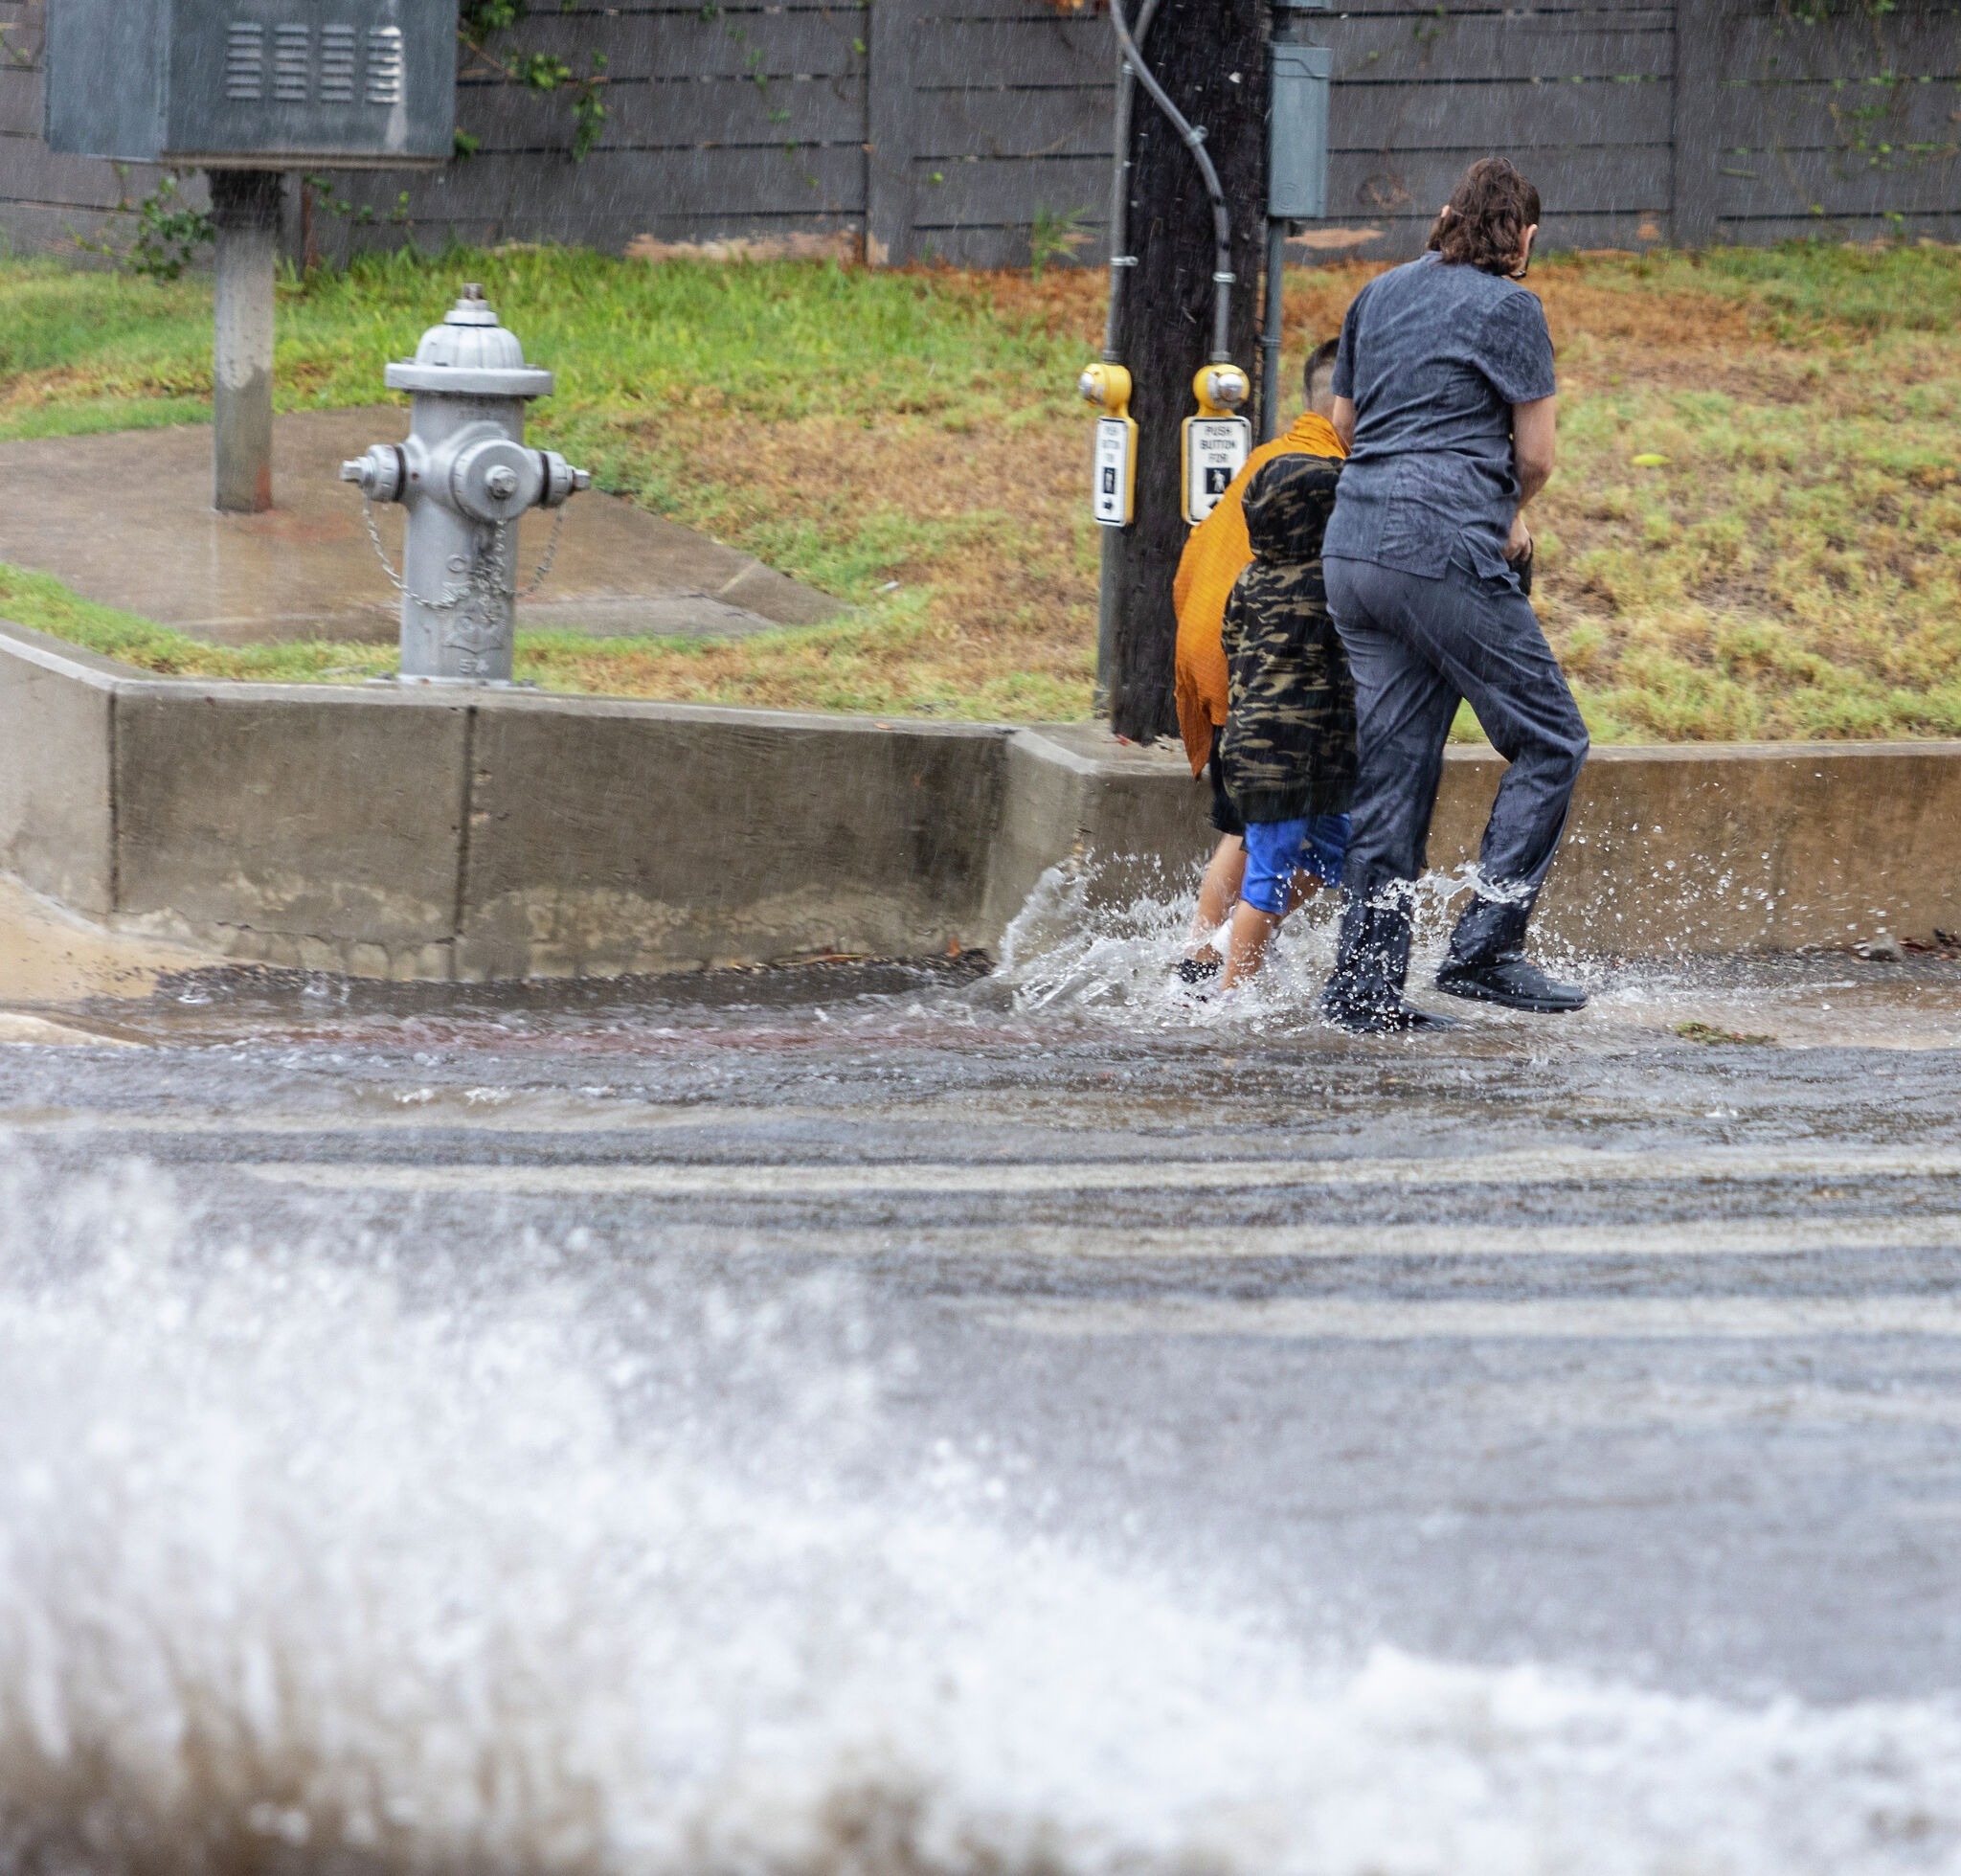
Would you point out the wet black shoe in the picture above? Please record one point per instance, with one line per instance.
(1515, 982)
(1200, 970)
(1381, 1019)
(1364, 995)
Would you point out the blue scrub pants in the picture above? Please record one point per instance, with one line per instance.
(1275, 850)
(1417, 648)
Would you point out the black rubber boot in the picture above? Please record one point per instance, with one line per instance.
(1371, 960)
(1487, 963)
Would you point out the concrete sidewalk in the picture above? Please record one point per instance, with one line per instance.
(126, 519)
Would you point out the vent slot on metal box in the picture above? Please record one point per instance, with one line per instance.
(245, 63)
(384, 65)
(294, 75)
(336, 64)
(292, 63)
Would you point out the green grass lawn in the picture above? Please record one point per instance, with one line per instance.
(1790, 566)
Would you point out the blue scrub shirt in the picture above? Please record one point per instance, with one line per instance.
(1434, 357)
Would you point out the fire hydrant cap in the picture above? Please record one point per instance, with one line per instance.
(472, 354)
(470, 337)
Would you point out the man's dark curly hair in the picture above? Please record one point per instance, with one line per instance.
(1487, 218)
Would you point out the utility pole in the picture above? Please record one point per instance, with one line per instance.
(1211, 57)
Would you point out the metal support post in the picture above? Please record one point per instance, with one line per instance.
(1298, 76)
(1271, 332)
(1109, 577)
(1110, 568)
(245, 211)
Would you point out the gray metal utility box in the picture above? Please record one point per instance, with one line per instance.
(254, 84)
(1297, 142)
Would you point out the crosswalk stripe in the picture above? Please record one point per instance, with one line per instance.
(1693, 1238)
(1767, 1237)
(1229, 1243)
(454, 1111)
(1347, 1318)
(802, 1181)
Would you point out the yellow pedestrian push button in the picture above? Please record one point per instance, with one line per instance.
(1216, 442)
(1113, 464)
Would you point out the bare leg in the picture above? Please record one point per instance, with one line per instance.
(1253, 929)
(1219, 889)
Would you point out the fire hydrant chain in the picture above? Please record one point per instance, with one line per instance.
(542, 571)
(394, 580)
(478, 580)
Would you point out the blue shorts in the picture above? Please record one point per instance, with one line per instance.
(1275, 849)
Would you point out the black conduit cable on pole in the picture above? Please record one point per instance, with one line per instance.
(1119, 187)
(1194, 140)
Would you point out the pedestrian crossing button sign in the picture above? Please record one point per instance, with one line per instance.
(1215, 451)
(1113, 473)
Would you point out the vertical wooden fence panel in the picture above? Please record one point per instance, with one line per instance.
(727, 120)
(1698, 109)
(1007, 116)
(889, 139)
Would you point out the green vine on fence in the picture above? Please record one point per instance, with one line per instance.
(358, 214)
(1814, 12)
(1863, 127)
(755, 72)
(480, 21)
(169, 231)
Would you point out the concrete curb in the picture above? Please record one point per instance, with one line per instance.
(438, 834)
(1739, 846)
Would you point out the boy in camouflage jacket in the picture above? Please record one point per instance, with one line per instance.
(1287, 747)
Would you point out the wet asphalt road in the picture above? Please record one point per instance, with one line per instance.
(1590, 1346)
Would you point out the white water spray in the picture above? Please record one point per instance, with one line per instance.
(1093, 938)
(299, 1573)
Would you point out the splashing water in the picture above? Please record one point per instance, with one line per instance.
(1094, 938)
(1074, 946)
(300, 1570)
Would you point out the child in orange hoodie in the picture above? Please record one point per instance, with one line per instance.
(1216, 553)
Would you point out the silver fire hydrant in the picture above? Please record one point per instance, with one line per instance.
(464, 476)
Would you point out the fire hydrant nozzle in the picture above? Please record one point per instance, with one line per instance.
(466, 476)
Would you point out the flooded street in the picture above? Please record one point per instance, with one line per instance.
(878, 1418)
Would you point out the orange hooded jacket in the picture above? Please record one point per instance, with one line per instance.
(1216, 553)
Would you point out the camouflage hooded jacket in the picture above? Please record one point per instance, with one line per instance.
(1289, 742)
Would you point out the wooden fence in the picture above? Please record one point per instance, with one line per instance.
(953, 128)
